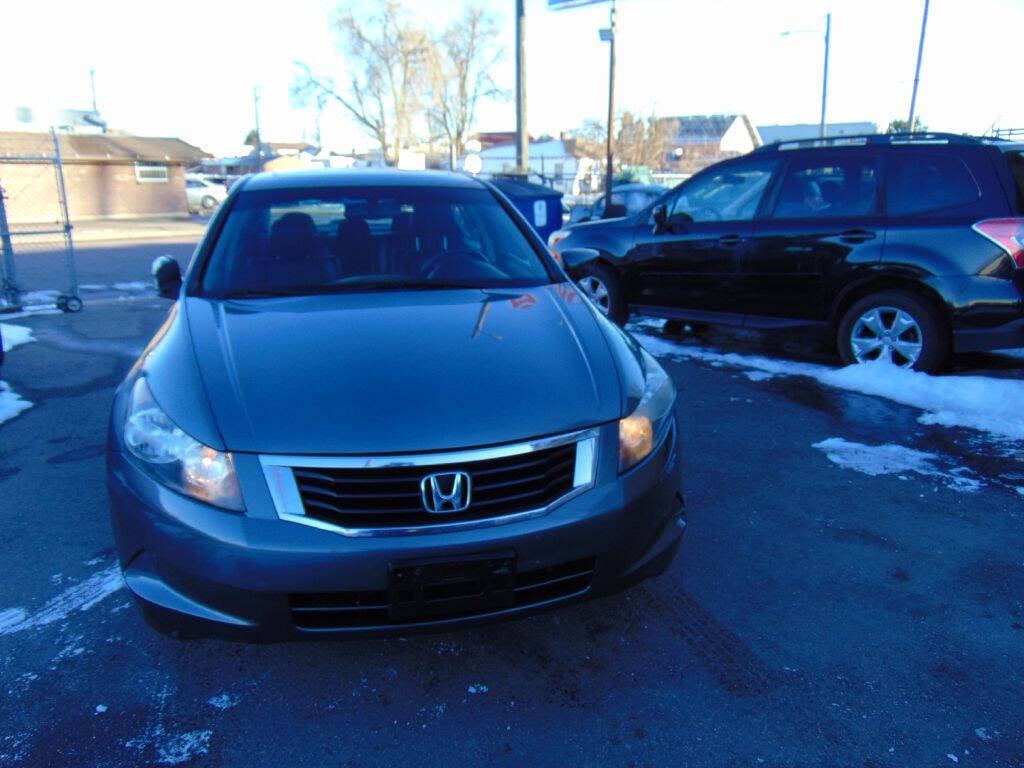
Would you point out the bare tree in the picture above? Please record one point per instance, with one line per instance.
(385, 55)
(460, 76)
(639, 141)
(644, 142)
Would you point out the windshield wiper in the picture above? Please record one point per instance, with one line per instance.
(398, 284)
(261, 293)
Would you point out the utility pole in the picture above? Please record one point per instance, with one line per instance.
(917, 70)
(259, 138)
(824, 79)
(522, 136)
(611, 107)
(92, 85)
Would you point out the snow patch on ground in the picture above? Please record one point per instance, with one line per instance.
(40, 297)
(11, 403)
(183, 747)
(976, 402)
(134, 286)
(80, 597)
(15, 335)
(48, 309)
(14, 748)
(224, 701)
(891, 459)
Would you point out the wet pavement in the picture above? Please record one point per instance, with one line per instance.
(816, 615)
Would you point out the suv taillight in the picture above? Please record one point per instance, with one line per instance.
(1008, 234)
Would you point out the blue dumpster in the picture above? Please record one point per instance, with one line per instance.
(542, 206)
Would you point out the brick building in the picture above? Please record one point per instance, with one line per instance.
(106, 175)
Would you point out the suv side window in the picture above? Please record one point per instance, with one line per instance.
(828, 186)
(928, 182)
(729, 194)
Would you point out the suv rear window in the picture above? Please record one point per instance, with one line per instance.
(324, 240)
(926, 182)
(1015, 159)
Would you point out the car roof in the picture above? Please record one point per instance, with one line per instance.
(316, 178)
(636, 186)
(921, 139)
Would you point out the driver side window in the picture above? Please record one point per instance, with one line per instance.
(729, 194)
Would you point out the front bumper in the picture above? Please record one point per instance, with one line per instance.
(200, 570)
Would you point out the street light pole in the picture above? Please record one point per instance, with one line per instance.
(611, 109)
(824, 79)
(917, 70)
(822, 129)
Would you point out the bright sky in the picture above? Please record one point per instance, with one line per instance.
(187, 68)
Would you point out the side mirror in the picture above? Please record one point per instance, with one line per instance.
(660, 216)
(572, 258)
(614, 211)
(167, 275)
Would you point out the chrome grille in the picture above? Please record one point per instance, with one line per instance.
(391, 496)
(383, 495)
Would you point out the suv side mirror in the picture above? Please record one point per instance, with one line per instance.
(167, 275)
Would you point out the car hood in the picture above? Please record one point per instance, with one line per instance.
(403, 371)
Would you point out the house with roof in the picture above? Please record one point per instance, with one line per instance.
(555, 161)
(700, 140)
(105, 175)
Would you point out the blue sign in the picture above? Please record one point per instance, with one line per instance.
(561, 5)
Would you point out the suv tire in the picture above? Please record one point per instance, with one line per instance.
(897, 324)
(602, 286)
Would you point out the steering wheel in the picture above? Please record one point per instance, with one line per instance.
(448, 263)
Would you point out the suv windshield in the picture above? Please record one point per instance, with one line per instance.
(327, 240)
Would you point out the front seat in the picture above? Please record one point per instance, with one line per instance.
(293, 246)
(353, 249)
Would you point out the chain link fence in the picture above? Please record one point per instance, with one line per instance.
(36, 248)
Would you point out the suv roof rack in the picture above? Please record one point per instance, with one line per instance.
(870, 139)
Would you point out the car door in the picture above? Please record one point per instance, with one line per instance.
(690, 265)
(823, 221)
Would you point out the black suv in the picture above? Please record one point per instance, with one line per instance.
(908, 246)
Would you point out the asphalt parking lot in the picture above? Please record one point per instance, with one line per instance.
(816, 615)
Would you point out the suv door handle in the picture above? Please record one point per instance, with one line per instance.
(730, 241)
(856, 236)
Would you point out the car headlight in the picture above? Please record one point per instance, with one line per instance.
(176, 459)
(556, 237)
(642, 431)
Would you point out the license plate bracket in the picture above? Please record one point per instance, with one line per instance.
(446, 588)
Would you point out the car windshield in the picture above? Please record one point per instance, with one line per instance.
(336, 240)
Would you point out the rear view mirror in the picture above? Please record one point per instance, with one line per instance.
(167, 275)
(660, 216)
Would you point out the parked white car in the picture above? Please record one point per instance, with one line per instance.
(203, 195)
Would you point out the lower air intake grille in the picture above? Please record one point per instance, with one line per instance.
(363, 610)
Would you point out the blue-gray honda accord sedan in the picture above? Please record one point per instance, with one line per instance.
(378, 405)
